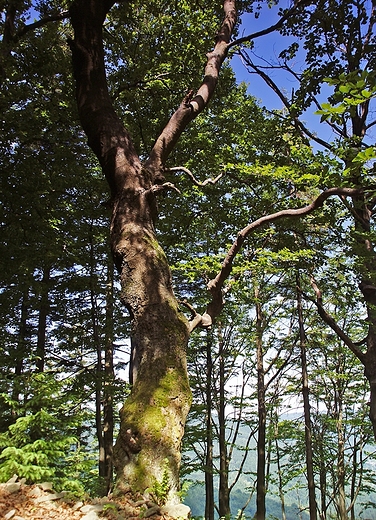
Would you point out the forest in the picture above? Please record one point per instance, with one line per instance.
(187, 259)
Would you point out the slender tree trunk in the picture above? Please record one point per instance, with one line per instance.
(109, 376)
(357, 471)
(280, 480)
(354, 476)
(320, 454)
(44, 309)
(341, 472)
(99, 365)
(209, 464)
(224, 495)
(307, 408)
(20, 351)
(261, 438)
(153, 417)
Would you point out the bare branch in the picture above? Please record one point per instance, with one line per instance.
(335, 128)
(268, 80)
(197, 320)
(40, 23)
(270, 29)
(156, 188)
(215, 286)
(193, 178)
(329, 320)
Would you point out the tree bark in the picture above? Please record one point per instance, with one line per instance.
(363, 210)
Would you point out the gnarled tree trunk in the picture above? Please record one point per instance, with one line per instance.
(153, 418)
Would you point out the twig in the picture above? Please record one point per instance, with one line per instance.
(270, 29)
(156, 188)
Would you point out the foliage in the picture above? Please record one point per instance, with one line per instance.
(160, 489)
(54, 249)
(43, 442)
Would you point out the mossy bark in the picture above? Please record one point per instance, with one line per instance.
(153, 418)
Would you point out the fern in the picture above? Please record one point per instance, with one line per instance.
(160, 490)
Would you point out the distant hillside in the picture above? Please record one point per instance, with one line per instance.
(196, 501)
(295, 496)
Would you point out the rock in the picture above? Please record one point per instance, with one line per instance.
(50, 496)
(10, 514)
(36, 492)
(97, 508)
(92, 515)
(178, 511)
(46, 486)
(13, 479)
(12, 487)
(77, 505)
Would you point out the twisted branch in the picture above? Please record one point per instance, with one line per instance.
(215, 286)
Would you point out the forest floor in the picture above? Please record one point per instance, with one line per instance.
(19, 501)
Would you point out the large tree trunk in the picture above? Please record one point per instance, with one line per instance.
(364, 250)
(153, 418)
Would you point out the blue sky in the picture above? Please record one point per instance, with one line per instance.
(268, 47)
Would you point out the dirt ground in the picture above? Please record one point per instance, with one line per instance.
(19, 501)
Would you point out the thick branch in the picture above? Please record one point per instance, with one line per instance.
(192, 105)
(215, 286)
(107, 136)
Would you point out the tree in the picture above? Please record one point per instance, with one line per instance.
(153, 418)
